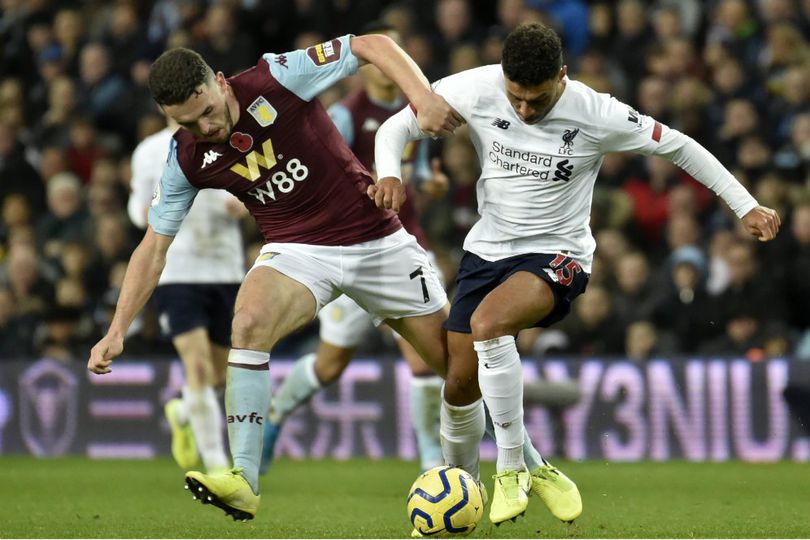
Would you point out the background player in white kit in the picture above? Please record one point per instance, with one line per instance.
(194, 299)
(344, 325)
(540, 140)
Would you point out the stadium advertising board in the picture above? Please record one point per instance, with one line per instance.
(695, 409)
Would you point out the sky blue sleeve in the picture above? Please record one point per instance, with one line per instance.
(342, 117)
(308, 72)
(173, 197)
(421, 166)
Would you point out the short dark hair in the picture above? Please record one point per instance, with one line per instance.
(176, 75)
(532, 54)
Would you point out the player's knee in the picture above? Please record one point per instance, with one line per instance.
(461, 389)
(248, 331)
(485, 326)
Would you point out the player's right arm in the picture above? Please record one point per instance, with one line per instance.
(399, 129)
(170, 205)
(140, 280)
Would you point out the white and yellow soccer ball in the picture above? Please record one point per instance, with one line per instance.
(445, 501)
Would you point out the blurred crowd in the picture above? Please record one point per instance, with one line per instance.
(674, 274)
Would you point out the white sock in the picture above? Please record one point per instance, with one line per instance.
(500, 377)
(461, 431)
(181, 412)
(298, 387)
(426, 403)
(531, 456)
(205, 416)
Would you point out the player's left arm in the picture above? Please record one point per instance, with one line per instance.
(308, 72)
(389, 143)
(434, 115)
(625, 130)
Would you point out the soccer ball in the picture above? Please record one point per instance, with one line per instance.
(445, 501)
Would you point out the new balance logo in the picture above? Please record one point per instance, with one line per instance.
(563, 171)
(210, 157)
(253, 418)
(503, 124)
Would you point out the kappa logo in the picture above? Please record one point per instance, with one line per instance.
(210, 157)
(261, 111)
(503, 124)
(568, 141)
(325, 53)
(563, 172)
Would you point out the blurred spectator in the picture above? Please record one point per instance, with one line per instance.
(798, 284)
(685, 308)
(66, 219)
(643, 342)
(750, 291)
(18, 176)
(634, 296)
(103, 92)
(15, 331)
(593, 328)
(32, 292)
(225, 48)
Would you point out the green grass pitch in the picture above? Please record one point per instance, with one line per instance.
(80, 498)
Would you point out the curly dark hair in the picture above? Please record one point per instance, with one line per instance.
(176, 74)
(532, 54)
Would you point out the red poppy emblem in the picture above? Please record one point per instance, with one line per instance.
(242, 141)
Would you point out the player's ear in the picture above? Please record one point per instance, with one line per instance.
(563, 71)
(220, 78)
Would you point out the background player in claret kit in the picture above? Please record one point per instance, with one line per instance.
(344, 324)
(263, 137)
(194, 299)
(540, 139)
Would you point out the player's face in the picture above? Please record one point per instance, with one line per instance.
(532, 103)
(206, 113)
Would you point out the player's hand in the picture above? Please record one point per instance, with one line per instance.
(388, 193)
(437, 185)
(101, 356)
(762, 222)
(436, 117)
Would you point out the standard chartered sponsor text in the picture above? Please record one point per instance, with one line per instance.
(499, 152)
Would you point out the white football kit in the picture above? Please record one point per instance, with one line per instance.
(208, 247)
(536, 183)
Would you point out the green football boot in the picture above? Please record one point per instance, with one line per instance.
(557, 491)
(229, 491)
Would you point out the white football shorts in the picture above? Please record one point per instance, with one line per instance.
(390, 277)
(345, 324)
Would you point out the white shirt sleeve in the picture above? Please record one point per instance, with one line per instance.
(147, 168)
(390, 142)
(625, 130)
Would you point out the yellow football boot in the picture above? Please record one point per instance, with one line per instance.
(510, 496)
(557, 491)
(229, 491)
(184, 447)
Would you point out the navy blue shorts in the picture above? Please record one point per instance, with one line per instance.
(186, 306)
(478, 277)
